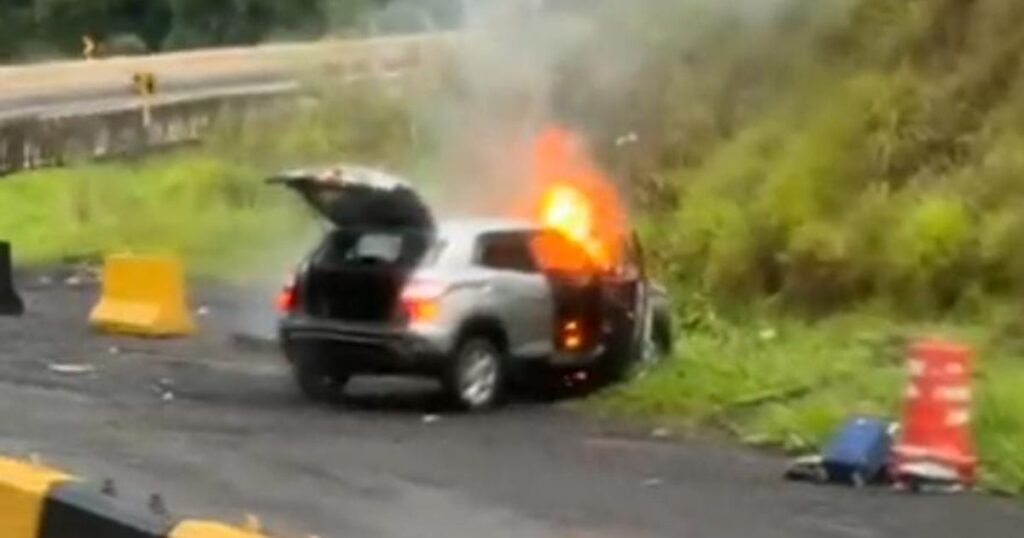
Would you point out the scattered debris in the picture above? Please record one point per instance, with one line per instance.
(202, 310)
(430, 419)
(255, 342)
(73, 281)
(109, 488)
(808, 469)
(114, 350)
(928, 477)
(661, 433)
(163, 388)
(45, 280)
(857, 455)
(252, 524)
(157, 505)
(626, 139)
(72, 368)
(653, 482)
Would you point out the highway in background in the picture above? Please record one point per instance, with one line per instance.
(59, 87)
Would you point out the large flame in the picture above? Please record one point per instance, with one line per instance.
(576, 199)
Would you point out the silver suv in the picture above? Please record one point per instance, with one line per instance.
(392, 290)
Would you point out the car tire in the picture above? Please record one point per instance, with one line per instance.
(475, 380)
(316, 380)
(658, 341)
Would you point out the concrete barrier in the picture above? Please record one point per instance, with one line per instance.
(143, 296)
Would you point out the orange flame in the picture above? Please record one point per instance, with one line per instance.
(576, 199)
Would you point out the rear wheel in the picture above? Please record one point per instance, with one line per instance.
(657, 344)
(315, 377)
(476, 377)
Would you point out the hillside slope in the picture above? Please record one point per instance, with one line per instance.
(832, 152)
(821, 184)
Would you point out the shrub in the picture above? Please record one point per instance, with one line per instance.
(931, 252)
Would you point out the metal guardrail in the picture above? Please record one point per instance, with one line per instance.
(56, 113)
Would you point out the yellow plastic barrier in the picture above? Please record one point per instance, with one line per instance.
(23, 495)
(143, 296)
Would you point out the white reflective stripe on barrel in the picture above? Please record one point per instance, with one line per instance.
(958, 394)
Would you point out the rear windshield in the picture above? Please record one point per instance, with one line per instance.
(352, 248)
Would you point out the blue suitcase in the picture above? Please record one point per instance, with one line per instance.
(858, 453)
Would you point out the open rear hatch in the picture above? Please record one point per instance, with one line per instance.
(382, 230)
(357, 197)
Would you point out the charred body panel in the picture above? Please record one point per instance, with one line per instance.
(390, 289)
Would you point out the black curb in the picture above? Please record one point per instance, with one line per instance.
(10, 303)
(82, 509)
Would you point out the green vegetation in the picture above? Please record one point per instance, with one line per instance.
(819, 182)
(210, 204)
(789, 383)
(836, 182)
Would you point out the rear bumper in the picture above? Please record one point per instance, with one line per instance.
(361, 349)
(573, 360)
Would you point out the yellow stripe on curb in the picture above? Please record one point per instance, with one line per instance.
(23, 490)
(206, 529)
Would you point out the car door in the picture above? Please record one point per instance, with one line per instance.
(521, 293)
(626, 303)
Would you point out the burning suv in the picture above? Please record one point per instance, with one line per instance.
(392, 290)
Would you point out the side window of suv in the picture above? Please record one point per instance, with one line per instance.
(507, 251)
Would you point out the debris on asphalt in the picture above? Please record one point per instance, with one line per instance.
(807, 469)
(71, 368)
(626, 139)
(114, 350)
(430, 419)
(653, 482)
(255, 342)
(109, 488)
(163, 388)
(857, 455)
(661, 433)
(157, 505)
(45, 280)
(929, 477)
(859, 452)
(202, 310)
(73, 281)
(252, 524)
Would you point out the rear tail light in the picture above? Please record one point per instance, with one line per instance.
(571, 335)
(288, 298)
(421, 300)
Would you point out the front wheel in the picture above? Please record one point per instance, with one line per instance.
(476, 377)
(657, 344)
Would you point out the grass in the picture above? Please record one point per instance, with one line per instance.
(216, 215)
(209, 204)
(788, 383)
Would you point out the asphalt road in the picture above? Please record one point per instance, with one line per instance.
(219, 431)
